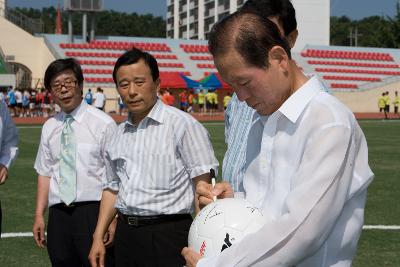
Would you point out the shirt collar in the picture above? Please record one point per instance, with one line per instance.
(156, 114)
(78, 113)
(294, 106)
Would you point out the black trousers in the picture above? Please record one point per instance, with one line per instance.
(156, 245)
(70, 234)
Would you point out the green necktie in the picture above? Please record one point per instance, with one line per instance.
(67, 162)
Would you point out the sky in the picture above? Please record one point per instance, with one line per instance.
(355, 9)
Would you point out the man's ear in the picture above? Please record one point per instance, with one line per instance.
(292, 37)
(277, 55)
(158, 85)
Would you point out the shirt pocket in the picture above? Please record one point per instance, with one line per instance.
(89, 156)
(161, 170)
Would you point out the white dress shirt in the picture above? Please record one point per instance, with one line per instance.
(151, 164)
(99, 99)
(8, 137)
(90, 126)
(307, 169)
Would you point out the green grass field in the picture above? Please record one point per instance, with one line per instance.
(377, 248)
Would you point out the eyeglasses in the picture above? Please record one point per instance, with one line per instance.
(69, 84)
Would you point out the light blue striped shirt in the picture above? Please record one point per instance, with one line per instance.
(8, 137)
(151, 164)
(238, 120)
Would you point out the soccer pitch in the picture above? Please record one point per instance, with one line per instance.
(376, 247)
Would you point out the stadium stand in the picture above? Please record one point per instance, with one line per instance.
(358, 67)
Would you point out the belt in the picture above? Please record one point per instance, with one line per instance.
(74, 204)
(137, 221)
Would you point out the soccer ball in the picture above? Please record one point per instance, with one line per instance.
(223, 223)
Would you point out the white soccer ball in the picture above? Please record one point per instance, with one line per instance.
(223, 223)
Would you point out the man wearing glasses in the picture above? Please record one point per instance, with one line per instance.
(70, 169)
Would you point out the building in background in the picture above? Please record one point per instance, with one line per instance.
(193, 19)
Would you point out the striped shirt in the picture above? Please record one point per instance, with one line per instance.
(238, 120)
(8, 137)
(151, 164)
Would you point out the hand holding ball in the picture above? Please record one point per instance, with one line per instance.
(223, 223)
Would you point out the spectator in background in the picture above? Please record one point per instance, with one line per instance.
(39, 102)
(70, 166)
(382, 103)
(99, 99)
(8, 145)
(396, 104)
(18, 99)
(164, 96)
(47, 104)
(25, 103)
(89, 97)
(171, 99)
(227, 99)
(214, 96)
(201, 95)
(32, 103)
(12, 103)
(121, 106)
(209, 99)
(191, 101)
(387, 102)
(183, 100)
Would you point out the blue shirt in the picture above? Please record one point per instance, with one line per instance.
(238, 120)
(89, 98)
(11, 98)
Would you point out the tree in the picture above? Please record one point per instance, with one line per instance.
(108, 22)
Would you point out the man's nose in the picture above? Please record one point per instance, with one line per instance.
(242, 94)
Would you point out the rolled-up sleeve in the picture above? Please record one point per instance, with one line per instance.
(320, 188)
(43, 160)
(197, 151)
(109, 180)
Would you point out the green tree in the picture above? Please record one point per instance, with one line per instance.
(395, 23)
(108, 22)
(340, 28)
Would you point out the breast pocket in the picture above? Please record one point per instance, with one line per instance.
(161, 169)
(90, 158)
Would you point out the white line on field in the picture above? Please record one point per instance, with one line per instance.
(26, 234)
(365, 227)
(381, 227)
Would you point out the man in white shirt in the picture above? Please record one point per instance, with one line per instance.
(99, 99)
(8, 145)
(155, 160)
(18, 99)
(70, 165)
(306, 159)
